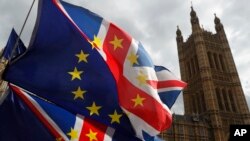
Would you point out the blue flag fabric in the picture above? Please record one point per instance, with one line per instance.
(113, 82)
(61, 66)
(30, 118)
(136, 66)
(11, 44)
(91, 24)
(167, 96)
(18, 122)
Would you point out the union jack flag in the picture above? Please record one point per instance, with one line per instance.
(93, 69)
(63, 124)
(143, 89)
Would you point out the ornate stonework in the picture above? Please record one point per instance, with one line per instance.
(3, 84)
(214, 98)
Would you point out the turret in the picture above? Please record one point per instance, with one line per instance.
(179, 37)
(218, 25)
(194, 20)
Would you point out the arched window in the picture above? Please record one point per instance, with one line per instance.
(224, 93)
(210, 60)
(219, 98)
(189, 70)
(231, 97)
(216, 61)
(193, 65)
(199, 103)
(196, 63)
(222, 62)
(203, 105)
(194, 103)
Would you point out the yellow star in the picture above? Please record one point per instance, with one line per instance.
(73, 134)
(138, 100)
(94, 109)
(75, 74)
(79, 93)
(117, 43)
(115, 117)
(96, 42)
(142, 78)
(91, 135)
(82, 57)
(133, 59)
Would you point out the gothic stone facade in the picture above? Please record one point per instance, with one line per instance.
(214, 98)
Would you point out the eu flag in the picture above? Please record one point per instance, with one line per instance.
(62, 67)
(143, 89)
(11, 44)
(28, 118)
(7, 55)
(89, 66)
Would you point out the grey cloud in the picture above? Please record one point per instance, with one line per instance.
(13, 14)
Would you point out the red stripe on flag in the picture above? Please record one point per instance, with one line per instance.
(92, 129)
(117, 54)
(151, 107)
(166, 84)
(36, 111)
(126, 90)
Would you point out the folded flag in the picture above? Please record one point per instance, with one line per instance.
(6, 56)
(89, 66)
(61, 66)
(168, 86)
(18, 122)
(11, 44)
(143, 89)
(61, 124)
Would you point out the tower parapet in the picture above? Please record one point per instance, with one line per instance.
(214, 90)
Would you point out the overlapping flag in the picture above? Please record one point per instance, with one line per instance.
(10, 46)
(96, 74)
(19, 123)
(13, 49)
(45, 116)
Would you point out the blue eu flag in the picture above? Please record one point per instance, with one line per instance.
(11, 44)
(62, 67)
(19, 123)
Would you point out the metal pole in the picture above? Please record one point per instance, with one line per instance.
(18, 38)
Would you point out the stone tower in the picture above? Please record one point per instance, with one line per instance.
(214, 91)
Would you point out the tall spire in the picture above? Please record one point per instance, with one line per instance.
(194, 18)
(192, 13)
(218, 25)
(178, 32)
(216, 19)
(179, 37)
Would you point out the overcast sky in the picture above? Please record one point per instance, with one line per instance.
(153, 22)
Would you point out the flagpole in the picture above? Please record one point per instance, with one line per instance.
(4, 63)
(18, 38)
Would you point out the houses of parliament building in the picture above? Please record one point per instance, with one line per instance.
(214, 97)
